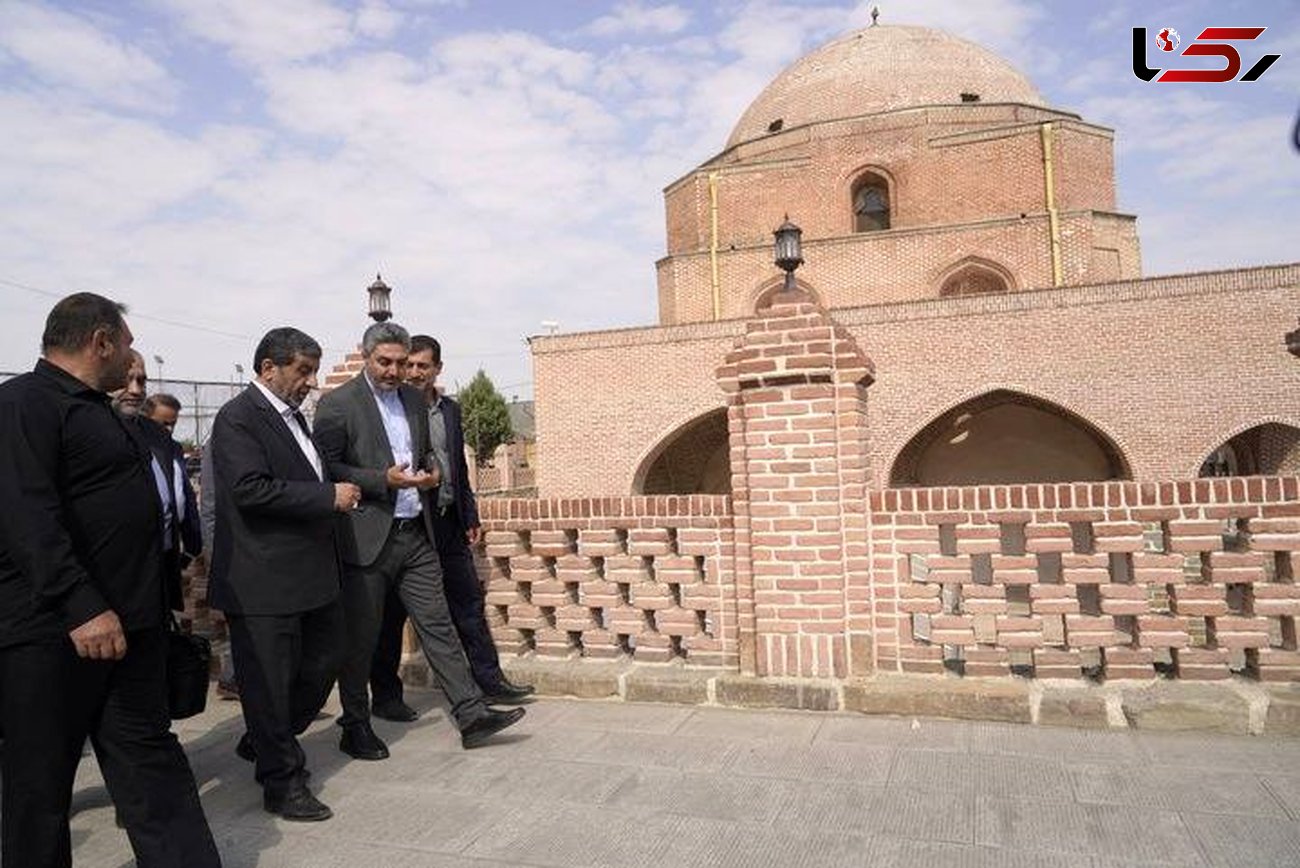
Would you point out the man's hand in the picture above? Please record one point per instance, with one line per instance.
(346, 496)
(400, 476)
(473, 535)
(100, 638)
(428, 479)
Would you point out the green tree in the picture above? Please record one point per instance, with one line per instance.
(484, 416)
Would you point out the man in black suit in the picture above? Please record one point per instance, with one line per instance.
(455, 531)
(164, 410)
(181, 536)
(373, 431)
(275, 565)
(82, 638)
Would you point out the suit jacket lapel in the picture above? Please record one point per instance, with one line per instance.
(369, 405)
(451, 425)
(276, 423)
(419, 422)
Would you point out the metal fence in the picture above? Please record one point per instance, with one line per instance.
(200, 401)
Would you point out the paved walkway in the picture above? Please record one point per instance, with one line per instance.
(586, 783)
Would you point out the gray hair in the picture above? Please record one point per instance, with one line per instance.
(385, 333)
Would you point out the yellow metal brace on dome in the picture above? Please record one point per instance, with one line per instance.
(713, 246)
(1049, 184)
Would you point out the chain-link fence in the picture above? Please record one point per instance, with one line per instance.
(200, 401)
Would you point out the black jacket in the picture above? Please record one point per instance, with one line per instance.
(276, 546)
(466, 508)
(79, 511)
(189, 536)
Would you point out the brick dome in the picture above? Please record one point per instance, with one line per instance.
(879, 69)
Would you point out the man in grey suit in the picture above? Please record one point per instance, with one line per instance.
(374, 431)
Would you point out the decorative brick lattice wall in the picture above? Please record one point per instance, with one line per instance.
(1195, 580)
(649, 577)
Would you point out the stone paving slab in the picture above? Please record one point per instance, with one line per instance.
(1008, 777)
(596, 783)
(1177, 789)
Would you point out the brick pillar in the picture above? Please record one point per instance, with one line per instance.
(797, 390)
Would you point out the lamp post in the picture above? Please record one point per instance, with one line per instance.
(239, 373)
(380, 307)
(158, 360)
(789, 252)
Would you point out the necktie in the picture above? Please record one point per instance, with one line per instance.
(302, 422)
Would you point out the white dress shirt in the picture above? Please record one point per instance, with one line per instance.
(299, 432)
(398, 429)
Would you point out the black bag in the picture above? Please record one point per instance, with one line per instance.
(189, 662)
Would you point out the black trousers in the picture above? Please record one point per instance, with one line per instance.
(409, 564)
(286, 666)
(51, 701)
(465, 600)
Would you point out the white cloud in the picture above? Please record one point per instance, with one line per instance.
(1006, 27)
(377, 20)
(634, 18)
(62, 50)
(497, 177)
(261, 32)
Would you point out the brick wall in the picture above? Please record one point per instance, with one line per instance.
(1191, 580)
(1195, 580)
(649, 577)
(942, 211)
(1141, 360)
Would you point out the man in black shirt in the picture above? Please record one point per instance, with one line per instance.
(82, 636)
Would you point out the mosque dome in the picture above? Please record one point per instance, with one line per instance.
(879, 69)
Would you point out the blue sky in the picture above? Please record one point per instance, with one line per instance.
(232, 165)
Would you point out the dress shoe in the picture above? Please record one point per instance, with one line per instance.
(360, 742)
(481, 729)
(395, 710)
(505, 693)
(297, 804)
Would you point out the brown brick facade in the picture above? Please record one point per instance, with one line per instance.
(1167, 368)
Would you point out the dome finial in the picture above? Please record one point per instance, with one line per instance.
(875, 13)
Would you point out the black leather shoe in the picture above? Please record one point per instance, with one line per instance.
(395, 710)
(492, 722)
(360, 742)
(505, 693)
(297, 804)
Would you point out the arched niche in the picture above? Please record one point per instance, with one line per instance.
(693, 459)
(1005, 437)
(1268, 449)
(772, 291)
(975, 276)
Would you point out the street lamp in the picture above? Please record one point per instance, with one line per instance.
(239, 373)
(1293, 342)
(158, 360)
(789, 252)
(380, 308)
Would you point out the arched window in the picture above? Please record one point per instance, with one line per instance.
(870, 204)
